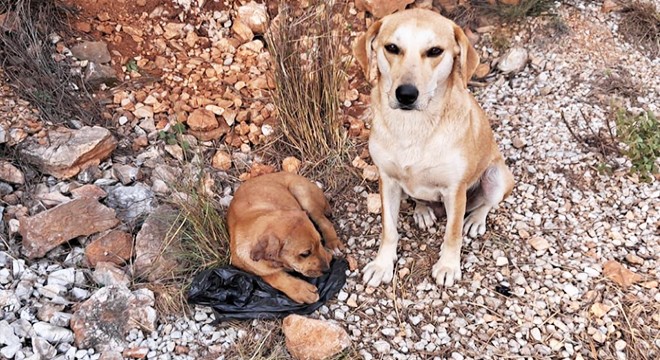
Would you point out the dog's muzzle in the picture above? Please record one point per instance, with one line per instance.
(406, 95)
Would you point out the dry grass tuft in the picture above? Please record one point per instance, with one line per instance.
(197, 238)
(467, 15)
(635, 321)
(640, 25)
(620, 82)
(201, 227)
(263, 341)
(310, 71)
(26, 54)
(639, 330)
(515, 13)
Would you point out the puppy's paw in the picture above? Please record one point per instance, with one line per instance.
(305, 293)
(377, 272)
(447, 270)
(334, 245)
(424, 216)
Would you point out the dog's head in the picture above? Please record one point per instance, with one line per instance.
(412, 55)
(294, 244)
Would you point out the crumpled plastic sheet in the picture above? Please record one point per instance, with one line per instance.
(237, 295)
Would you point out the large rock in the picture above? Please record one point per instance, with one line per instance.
(221, 160)
(374, 204)
(107, 274)
(52, 333)
(311, 339)
(11, 173)
(209, 135)
(68, 151)
(242, 31)
(95, 51)
(8, 338)
(382, 8)
(514, 60)
(152, 260)
(3, 134)
(97, 74)
(202, 120)
(131, 202)
(43, 348)
(103, 321)
(255, 16)
(2, 221)
(88, 191)
(126, 173)
(44, 231)
(115, 246)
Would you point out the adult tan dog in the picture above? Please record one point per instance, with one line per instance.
(271, 232)
(430, 139)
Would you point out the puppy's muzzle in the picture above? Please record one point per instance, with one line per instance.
(406, 95)
(325, 266)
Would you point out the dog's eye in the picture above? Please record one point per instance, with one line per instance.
(306, 254)
(434, 52)
(392, 49)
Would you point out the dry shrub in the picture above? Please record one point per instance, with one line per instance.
(26, 54)
(640, 25)
(310, 72)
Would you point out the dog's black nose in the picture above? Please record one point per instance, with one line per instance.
(406, 94)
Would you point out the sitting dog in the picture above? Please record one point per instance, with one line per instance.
(429, 139)
(271, 232)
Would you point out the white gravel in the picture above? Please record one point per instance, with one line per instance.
(528, 285)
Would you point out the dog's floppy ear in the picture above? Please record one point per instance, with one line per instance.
(468, 57)
(363, 52)
(268, 247)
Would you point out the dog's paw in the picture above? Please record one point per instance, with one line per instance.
(335, 246)
(447, 270)
(424, 216)
(305, 293)
(474, 224)
(378, 272)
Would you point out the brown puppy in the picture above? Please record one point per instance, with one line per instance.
(429, 137)
(271, 232)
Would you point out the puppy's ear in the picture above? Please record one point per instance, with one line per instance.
(267, 248)
(363, 52)
(468, 57)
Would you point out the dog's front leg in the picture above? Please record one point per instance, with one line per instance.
(381, 269)
(448, 268)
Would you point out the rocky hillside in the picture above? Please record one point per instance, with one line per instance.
(113, 129)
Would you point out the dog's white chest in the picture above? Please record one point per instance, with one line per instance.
(423, 172)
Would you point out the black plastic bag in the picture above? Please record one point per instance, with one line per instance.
(237, 295)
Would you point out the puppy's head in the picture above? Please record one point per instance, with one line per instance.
(412, 55)
(294, 244)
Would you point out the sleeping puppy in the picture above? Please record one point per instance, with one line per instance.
(271, 232)
(429, 139)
